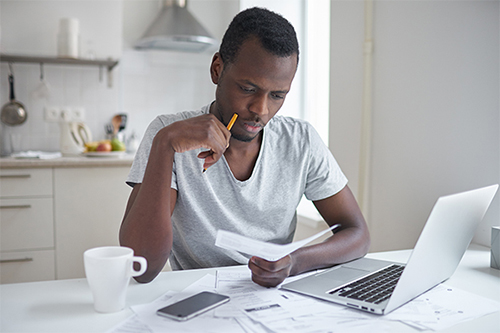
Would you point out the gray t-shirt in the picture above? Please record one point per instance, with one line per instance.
(293, 161)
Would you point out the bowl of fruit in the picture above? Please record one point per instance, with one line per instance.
(105, 148)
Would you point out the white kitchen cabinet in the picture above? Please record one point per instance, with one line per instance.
(89, 207)
(27, 266)
(50, 215)
(26, 225)
(25, 182)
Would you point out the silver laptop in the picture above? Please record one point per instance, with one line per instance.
(379, 286)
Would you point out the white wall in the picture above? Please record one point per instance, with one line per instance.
(435, 108)
(346, 85)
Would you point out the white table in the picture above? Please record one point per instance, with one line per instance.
(66, 305)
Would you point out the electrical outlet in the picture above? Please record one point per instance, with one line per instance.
(77, 114)
(65, 114)
(52, 114)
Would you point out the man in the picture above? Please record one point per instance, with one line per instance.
(255, 174)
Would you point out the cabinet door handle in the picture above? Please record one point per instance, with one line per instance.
(14, 206)
(16, 176)
(16, 260)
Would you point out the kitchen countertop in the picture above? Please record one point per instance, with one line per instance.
(67, 162)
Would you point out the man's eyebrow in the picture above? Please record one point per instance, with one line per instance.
(250, 83)
(281, 91)
(256, 86)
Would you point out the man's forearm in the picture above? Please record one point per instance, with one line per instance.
(345, 245)
(146, 226)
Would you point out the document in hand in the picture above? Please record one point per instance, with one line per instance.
(269, 251)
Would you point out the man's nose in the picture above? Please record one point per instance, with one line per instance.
(259, 105)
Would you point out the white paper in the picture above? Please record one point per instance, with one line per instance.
(417, 313)
(269, 251)
(279, 310)
(452, 306)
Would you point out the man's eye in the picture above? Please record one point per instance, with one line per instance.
(247, 90)
(278, 96)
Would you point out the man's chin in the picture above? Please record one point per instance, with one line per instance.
(243, 138)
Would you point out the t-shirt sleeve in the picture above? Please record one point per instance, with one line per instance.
(324, 176)
(140, 162)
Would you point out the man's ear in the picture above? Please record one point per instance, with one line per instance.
(216, 68)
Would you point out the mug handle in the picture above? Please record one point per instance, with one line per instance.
(142, 261)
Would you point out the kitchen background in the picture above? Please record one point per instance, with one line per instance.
(145, 84)
(433, 94)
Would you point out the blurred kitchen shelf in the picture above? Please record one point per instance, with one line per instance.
(108, 63)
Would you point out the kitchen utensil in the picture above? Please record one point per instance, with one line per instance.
(123, 123)
(43, 89)
(116, 121)
(13, 113)
(109, 129)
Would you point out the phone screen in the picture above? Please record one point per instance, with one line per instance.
(193, 306)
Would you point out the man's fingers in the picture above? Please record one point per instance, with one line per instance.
(205, 154)
(269, 273)
(219, 143)
(272, 266)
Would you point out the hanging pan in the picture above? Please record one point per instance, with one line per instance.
(13, 113)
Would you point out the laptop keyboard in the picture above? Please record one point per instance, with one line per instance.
(374, 288)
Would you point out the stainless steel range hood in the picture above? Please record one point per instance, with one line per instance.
(175, 28)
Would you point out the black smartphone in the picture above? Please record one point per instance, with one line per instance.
(192, 306)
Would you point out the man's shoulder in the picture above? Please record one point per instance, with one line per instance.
(284, 125)
(291, 133)
(167, 119)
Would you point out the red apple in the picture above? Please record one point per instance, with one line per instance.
(104, 147)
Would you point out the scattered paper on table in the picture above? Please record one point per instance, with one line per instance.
(255, 309)
(452, 305)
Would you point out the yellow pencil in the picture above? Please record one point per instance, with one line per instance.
(232, 121)
(229, 126)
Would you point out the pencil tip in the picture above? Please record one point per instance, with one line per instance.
(204, 170)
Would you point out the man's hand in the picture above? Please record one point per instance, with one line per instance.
(270, 273)
(205, 131)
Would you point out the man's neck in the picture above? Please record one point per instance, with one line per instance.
(244, 147)
(242, 157)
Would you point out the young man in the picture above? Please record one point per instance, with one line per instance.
(255, 174)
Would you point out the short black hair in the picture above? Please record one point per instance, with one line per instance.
(274, 32)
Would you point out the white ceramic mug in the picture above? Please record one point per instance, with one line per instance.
(108, 270)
